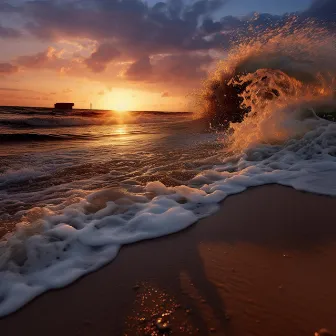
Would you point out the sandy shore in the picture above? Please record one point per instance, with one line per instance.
(263, 265)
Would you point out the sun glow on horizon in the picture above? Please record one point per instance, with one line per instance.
(121, 100)
(121, 106)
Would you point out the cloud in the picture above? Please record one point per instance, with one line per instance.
(177, 68)
(57, 60)
(8, 68)
(104, 54)
(182, 67)
(324, 10)
(131, 40)
(209, 26)
(14, 89)
(9, 32)
(5, 7)
(132, 24)
(64, 63)
(40, 59)
(140, 69)
(136, 29)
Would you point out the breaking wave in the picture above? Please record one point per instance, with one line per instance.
(289, 65)
(279, 85)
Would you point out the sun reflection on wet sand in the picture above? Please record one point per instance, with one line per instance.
(155, 312)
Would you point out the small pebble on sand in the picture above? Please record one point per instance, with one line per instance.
(162, 326)
(323, 332)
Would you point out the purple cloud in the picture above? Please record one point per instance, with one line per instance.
(180, 68)
(9, 32)
(104, 54)
(8, 68)
(161, 28)
(5, 7)
(166, 42)
(139, 70)
(324, 10)
(50, 58)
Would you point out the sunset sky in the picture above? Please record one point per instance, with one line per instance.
(126, 54)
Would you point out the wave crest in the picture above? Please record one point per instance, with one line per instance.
(286, 66)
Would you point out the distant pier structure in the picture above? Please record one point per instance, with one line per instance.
(64, 106)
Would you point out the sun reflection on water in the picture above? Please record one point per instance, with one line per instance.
(121, 130)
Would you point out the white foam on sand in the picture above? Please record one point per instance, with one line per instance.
(19, 175)
(64, 245)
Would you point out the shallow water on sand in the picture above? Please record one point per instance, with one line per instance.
(52, 160)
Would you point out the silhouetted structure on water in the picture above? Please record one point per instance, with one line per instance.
(64, 106)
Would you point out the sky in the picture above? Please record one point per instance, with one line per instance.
(123, 54)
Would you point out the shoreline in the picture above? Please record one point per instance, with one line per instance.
(261, 265)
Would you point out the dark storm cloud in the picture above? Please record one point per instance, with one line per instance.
(168, 26)
(129, 29)
(178, 68)
(321, 11)
(104, 54)
(182, 67)
(324, 10)
(7, 68)
(165, 26)
(5, 7)
(209, 26)
(9, 32)
(181, 32)
(139, 70)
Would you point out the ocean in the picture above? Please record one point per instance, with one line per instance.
(52, 159)
(76, 187)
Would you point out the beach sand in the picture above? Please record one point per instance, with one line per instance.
(262, 265)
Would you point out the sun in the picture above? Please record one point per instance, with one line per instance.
(121, 106)
(121, 100)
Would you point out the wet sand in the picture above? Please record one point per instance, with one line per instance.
(263, 265)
